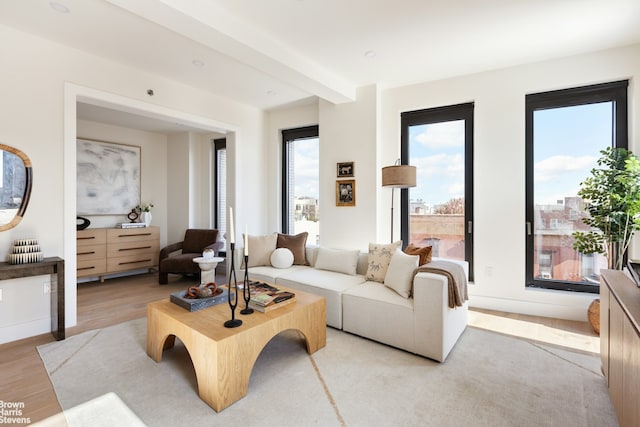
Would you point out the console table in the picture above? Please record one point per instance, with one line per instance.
(620, 343)
(52, 265)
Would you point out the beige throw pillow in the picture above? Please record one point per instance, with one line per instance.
(338, 260)
(378, 260)
(261, 248)
(400, 273)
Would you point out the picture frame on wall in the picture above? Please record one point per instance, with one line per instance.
(345, 170)
(108, 177)
(346, 192)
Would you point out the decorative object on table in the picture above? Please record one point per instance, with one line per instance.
(144, 209)
(345, 170)
(203, 291)
(25, 251)
(16, 185)
(346, 192)
(207, 268)
(246, 289)
(133, 216)
(612, 194)
(182, 299)
(82, 223)
(398, 176)
(266, 297)
(208, 253)
(593, 314)
(130, 225)
(101, 167)
(233, 281)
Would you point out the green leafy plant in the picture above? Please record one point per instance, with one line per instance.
(612, 193)
(144, 207)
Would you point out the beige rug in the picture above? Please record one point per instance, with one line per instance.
(488, 380)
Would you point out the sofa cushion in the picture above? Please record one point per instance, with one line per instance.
(296, 244)
(260, 249)
(282, 258)
(338, 260)
(425, 252)
(271, 274)
(379, 258)
(400, 273)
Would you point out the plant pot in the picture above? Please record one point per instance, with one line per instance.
(146, 218)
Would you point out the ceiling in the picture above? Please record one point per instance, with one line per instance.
(274, 53)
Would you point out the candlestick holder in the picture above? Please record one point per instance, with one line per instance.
(233, 285)
(246, 290)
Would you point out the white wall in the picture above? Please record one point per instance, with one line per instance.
(40, 84)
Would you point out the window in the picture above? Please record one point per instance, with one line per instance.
(220, 186)
(438, 212)
(300, 182)
(565, 131)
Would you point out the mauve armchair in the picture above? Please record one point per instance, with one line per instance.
(194, 243)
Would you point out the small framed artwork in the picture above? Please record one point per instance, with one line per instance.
(346, 192)
(345, 170)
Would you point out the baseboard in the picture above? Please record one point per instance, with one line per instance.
(576, 312)
(25, 330)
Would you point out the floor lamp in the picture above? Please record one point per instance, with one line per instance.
(398, 176)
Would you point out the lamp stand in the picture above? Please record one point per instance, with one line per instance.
(392, 190)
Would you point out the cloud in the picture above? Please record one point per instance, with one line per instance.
(552, 168)
(437, 136)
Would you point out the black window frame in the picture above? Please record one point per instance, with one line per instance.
(289, 136)
(218, 144)
(603, 92)
(464, 111)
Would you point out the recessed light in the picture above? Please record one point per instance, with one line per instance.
(59, 7)
(370, 54)
(198, 63)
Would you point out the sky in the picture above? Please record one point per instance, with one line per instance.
(567, 144)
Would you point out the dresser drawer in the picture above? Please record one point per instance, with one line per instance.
(89, 252)
(95, 236)
(91, 267)
(117, 235)
(131, 262)
(133, 248)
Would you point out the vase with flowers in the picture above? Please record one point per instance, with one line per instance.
(144, 209)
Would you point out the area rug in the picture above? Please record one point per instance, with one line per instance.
(488, 380)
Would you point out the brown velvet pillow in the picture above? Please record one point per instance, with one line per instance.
(424, 252)
(296, 244)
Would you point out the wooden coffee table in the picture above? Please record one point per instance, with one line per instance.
(223, 358)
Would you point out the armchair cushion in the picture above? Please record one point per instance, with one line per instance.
(196, 240)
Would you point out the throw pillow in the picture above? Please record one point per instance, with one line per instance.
(424, 253)
(400, 273)
(297, 245)
(282, 258)
(260, 249)
(378, 260)
(338, 260)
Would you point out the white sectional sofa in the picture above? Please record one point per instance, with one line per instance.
(422, 324)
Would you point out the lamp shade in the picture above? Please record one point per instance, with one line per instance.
(399, 176)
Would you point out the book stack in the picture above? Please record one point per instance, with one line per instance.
(131, 225)
(265, 297)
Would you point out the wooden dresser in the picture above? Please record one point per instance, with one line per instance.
(102, 251)
(620, 343)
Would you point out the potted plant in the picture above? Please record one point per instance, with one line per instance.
(144, 209)
(612, 193)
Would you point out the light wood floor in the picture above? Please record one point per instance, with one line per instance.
(24, 378)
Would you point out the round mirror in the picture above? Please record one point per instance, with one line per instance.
(15, 186)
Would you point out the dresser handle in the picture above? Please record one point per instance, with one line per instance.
(86, 253)
(134, 262)
(134, 235)
(133, 249)
(86, 238)
(85, 268)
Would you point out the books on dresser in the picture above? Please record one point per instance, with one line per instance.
(266, 297)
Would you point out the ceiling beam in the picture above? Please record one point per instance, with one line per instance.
(215, 28)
